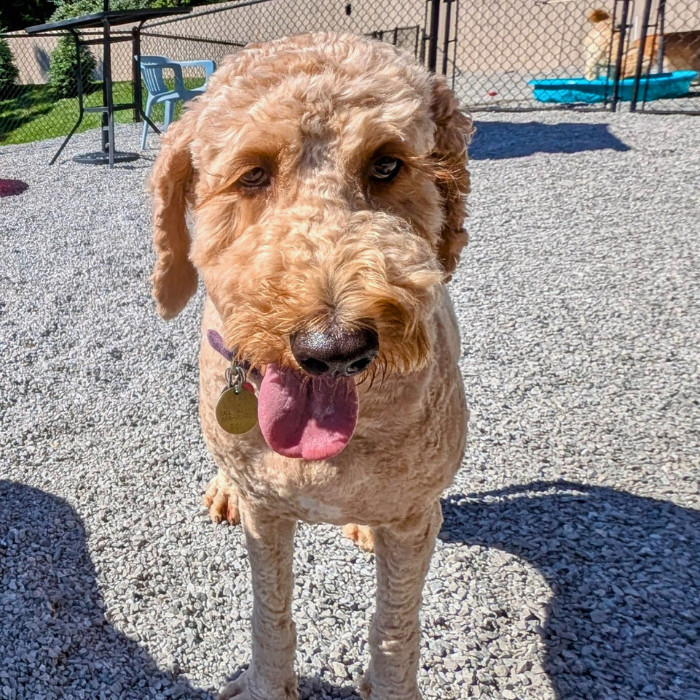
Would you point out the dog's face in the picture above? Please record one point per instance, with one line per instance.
(327, 176)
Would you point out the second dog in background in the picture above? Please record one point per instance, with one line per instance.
(681, 50)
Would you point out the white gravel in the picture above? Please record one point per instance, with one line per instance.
(569, 562)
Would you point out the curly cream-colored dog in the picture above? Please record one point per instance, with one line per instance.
(326, 177)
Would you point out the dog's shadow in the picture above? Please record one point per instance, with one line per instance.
(624, 572)
(53, 632)
(497, 140)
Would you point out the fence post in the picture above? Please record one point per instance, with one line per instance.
(446, 40)
(617, 76)
(136, 71)
(434, 35)
(640, 56)
(661, 31)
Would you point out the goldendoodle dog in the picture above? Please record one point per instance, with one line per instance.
(326, 180)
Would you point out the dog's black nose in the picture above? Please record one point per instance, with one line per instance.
(335, 352)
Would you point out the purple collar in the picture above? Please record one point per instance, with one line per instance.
(217, 342)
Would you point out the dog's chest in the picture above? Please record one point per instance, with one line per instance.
(315, 510)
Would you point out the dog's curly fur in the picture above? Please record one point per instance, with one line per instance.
(322, 242)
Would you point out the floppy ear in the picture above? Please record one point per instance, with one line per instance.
(174, 277)
(453, 133)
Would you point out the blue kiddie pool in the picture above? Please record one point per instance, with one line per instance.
(653, 87)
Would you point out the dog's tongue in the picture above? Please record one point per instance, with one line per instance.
(306, 418)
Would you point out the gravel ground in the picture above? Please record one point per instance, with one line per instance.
(569, 563)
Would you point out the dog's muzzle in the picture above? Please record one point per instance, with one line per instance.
(335, 352)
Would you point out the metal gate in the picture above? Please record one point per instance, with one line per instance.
(657, 53)
(499, 51)
(440, 37)
(434, 42)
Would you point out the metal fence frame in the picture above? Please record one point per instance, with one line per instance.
(471, 42)
(651, 44)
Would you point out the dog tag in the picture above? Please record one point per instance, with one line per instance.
(237, 410)
(237, 407)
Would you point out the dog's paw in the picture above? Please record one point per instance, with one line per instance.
(235, 690)
(221, 498)
(243, 688)
(368, 691)
(364, 686)
(361, 535)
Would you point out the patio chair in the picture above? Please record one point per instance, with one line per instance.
(152, 68)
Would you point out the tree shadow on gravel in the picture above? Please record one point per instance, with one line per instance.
(624, 572)
(54, 639)
(497, 140)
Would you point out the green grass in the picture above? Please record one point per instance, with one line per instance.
(33, 113)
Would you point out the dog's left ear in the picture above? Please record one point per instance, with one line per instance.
(453, 134)
(174, 277)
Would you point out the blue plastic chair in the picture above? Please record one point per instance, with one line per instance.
(152, 68)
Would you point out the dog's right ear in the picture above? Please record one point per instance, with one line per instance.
(174, 277)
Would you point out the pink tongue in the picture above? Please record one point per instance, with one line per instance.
(306, 418)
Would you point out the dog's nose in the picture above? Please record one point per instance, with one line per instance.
(335, 352)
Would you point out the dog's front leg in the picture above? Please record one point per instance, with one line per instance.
(270, 676)
(403, 556)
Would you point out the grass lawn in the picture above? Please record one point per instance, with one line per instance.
(34, 114)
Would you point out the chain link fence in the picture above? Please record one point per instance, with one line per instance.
(30, 107)
(215, 32)
(502, 46)
(489, 50)
(24, 97)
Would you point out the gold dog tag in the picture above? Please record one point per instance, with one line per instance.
(237, 410)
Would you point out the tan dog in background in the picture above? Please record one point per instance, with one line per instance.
(598, 52)
(681, 50)
(326, 176)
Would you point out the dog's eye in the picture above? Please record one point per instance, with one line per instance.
(385, 168)
(255, 177)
